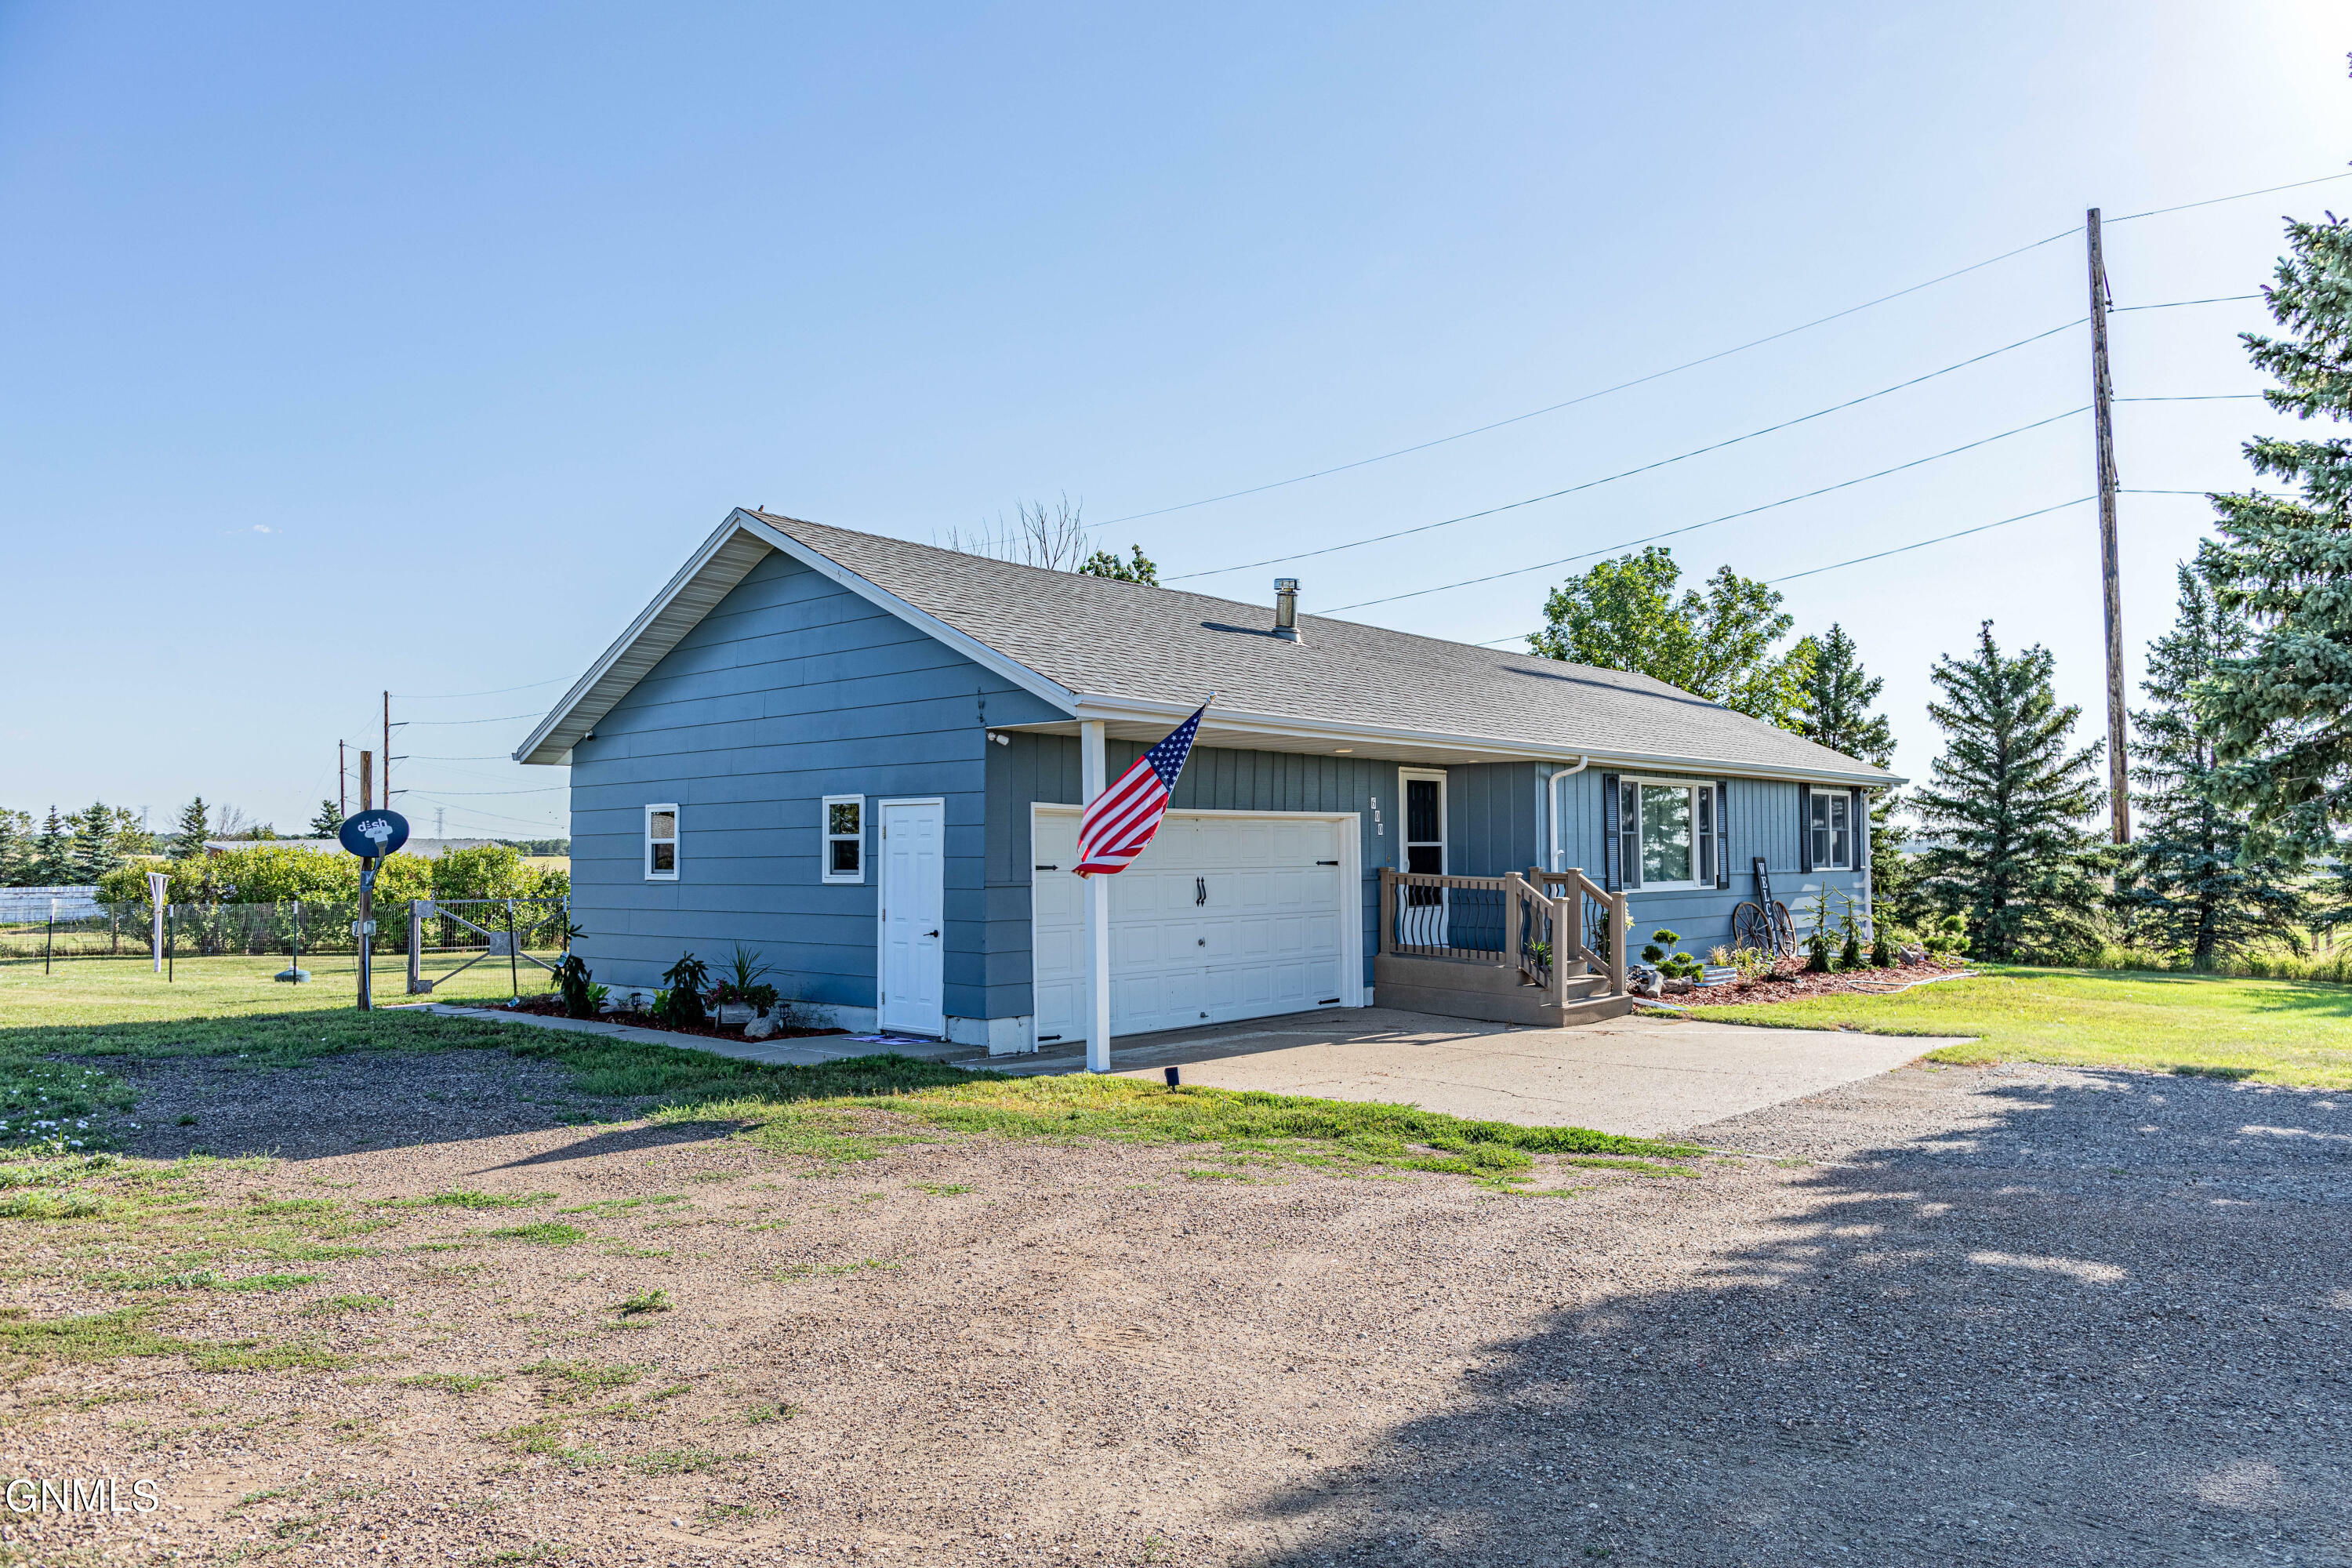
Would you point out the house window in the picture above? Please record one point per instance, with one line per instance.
(1831, 826)
(1664, 823)
(1425, 828)
(845, 839)
(661, 843)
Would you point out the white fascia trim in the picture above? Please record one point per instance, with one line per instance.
(743, 522)
(620, 644)
(1142, 710)
(972, 647)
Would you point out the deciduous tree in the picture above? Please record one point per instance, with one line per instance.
(1722, 645)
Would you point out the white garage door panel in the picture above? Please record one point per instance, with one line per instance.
(1222, 918)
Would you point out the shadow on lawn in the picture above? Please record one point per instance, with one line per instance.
(2110, 1324)
(331, 1082)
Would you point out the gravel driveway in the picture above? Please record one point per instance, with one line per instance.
(1949, 1315)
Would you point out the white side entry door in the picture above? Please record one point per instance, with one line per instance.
(913, 899)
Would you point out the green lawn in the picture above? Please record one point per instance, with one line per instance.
(2278, 1031)
(60, 1032)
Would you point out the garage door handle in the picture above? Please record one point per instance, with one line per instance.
(1199, 891)
(930, 933)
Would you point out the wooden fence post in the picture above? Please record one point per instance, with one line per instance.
(1568, 926)
(1620, 930)
(1512, 914)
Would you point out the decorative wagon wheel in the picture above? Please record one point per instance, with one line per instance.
(1784, 931)
(1750, 929)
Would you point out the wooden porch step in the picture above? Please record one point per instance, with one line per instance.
(1457, 988)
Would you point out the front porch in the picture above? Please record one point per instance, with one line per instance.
(1514, 948)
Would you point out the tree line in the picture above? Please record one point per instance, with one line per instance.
(2240, 767)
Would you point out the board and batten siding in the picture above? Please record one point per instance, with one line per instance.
(1761, 819)
(792, 688)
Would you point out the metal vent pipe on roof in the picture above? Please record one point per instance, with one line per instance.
(1285, 608)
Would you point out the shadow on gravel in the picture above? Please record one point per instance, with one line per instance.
(2111, 1324)
(626, 1140)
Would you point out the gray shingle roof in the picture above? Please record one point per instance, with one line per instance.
(1099, 636)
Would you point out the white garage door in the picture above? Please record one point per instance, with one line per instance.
(1223, 917)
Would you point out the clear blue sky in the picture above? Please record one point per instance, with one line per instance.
(356, 348)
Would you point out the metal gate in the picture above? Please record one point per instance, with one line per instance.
(474, 929)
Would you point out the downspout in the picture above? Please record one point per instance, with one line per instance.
(1551, 807)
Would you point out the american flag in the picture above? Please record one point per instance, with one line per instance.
(1120, 821)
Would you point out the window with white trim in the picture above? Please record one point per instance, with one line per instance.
(661, 843)
(1664, 822)
(1832, 830)
(845, 839)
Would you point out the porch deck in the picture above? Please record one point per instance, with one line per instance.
(1514, 948)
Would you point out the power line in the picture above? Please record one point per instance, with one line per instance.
(1588, 397)
(508, 719)
(485, 757)
(502, 817)
(1940, 539)
(1694, 527)
(543, 789)
(1646, 468)
(2176, 304)
(2201, 397)
(1708, 359)
(2241, 195)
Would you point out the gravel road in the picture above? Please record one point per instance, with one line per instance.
(1949, 1315)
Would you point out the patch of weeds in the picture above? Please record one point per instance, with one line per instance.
(681, 1461)
(127, 1280)
(270, 1282)
(472, 1200)
(38, 1205)
(716, 1176)
(809, 1271)
(620, 1205)
(546, 1233)
(576, 1380)
(189, 1119)
(254, 1356)
(458, 1383)
(644, 1301)
(623, 1249)
(354, 1303)
(1199, 1174)
(940, 1189)
(1553, 1191)
(672, 1392)
(539, 1553)
(1630, 1167)
(100, 1337)
(261, 1203)
(761, 1414)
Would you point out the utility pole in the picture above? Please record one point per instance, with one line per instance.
(367, 781)
(2103, 395)
(387, 695)
(343, 783)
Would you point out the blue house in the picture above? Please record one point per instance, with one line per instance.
(863, 757)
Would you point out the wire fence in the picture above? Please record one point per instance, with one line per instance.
(449, 935)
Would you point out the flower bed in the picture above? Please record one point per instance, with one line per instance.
(1789, 982)
(551, 1005)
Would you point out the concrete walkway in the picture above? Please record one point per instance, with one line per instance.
(1642, 1075)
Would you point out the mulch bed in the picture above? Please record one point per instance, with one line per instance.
(1789, 982)
(551, 1006)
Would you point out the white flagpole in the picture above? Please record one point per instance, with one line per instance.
(1092, 772)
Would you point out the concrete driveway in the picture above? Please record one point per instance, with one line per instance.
(1642, 1075)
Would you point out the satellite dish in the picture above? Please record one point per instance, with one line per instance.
(373, 834)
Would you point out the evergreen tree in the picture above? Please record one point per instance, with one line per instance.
(97, 848)
(1622, 614)
(328, 822)
(2281, 714)
(1834, 707)
(2004, 807)
(188, 839)
(2196, 885)
(53, 853)
(15, 849)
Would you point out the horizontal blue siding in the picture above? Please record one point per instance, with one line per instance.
(790, 690)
